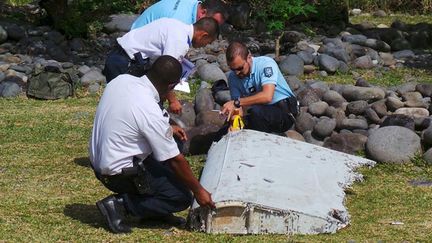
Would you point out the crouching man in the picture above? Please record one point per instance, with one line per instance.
(257, 84)
(133, 152)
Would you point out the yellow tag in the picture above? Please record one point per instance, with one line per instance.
(237, 123)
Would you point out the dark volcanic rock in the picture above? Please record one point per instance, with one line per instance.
(399, 120)
(349, 143)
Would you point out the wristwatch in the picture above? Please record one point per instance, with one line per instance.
(237, 103)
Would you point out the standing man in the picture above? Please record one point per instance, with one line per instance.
(162, 37)
(257, 83)
(187, 11)
(133, 153)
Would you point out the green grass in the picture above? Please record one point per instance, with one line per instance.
(379, 76)
(388, 20)
(48, 191)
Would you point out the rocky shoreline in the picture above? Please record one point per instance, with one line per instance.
(390, 124)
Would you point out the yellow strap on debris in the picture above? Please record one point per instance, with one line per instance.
(237, 123)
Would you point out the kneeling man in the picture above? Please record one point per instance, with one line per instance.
(133, 152)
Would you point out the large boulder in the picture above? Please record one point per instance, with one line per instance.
(413, 112)
(3, 35)
(204, 100)
(324, 127)
(399, 120)
(333, 98)
(15, 32)
(306, 56)
(9, 89)
(349, 143)
(200, 138)
(352, 93)
(93, 76)
(393, 144)
(328, 63)
(292, 65)
(120, 23)
(318, 108)
(357, 107)
(364, 62)
(307, 96)
(304, 122)
(211, 72)
(355, 39)
(187, 117)
(210, 117)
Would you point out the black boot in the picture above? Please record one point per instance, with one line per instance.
(170, 219)
(112, 208)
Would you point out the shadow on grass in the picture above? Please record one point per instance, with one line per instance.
(83, 161)
(89, 214)
(86, 214)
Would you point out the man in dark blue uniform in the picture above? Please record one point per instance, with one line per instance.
(257, 84)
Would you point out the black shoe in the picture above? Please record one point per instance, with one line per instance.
(171, 220)
(112, 209)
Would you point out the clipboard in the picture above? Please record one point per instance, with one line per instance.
(188, 68)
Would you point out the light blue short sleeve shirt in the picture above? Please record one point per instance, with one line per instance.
(264, 71)
(183, 10)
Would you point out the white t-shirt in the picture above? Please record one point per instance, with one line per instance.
(128, 123)
(161, 37)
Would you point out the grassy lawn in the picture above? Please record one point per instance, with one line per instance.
(390, 18)
(48, 191)
(378, 76)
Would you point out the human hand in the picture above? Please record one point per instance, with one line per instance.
(228, 109)
(179, 132)
(204, 199)
(175, 107)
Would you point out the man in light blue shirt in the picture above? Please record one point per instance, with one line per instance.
(257, 83)
(187, 11)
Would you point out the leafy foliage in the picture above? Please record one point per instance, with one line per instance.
(83, 16)
(276, 13)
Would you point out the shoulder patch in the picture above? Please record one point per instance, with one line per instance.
(268, 72)
(169, 133)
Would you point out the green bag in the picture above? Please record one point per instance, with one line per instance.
(50, 83)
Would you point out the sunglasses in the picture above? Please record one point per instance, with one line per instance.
(239, 68)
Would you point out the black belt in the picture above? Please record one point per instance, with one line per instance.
(138, 167)
(137, 174)
(289, 105)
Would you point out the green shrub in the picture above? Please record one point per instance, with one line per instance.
(83, 18)
(278, 12)
(18, 2)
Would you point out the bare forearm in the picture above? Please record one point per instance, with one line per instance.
(259, 98)
(182, 170)
(171, 97)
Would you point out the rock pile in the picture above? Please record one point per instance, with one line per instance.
(391, 124)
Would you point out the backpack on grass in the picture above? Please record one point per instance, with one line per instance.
(51, 83)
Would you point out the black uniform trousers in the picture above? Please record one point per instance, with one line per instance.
(278, 117)
(167, 194)
(118, 62)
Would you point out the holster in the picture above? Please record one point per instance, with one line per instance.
(139, 66)
(290, 106)
(294, 105)
(139, 175)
